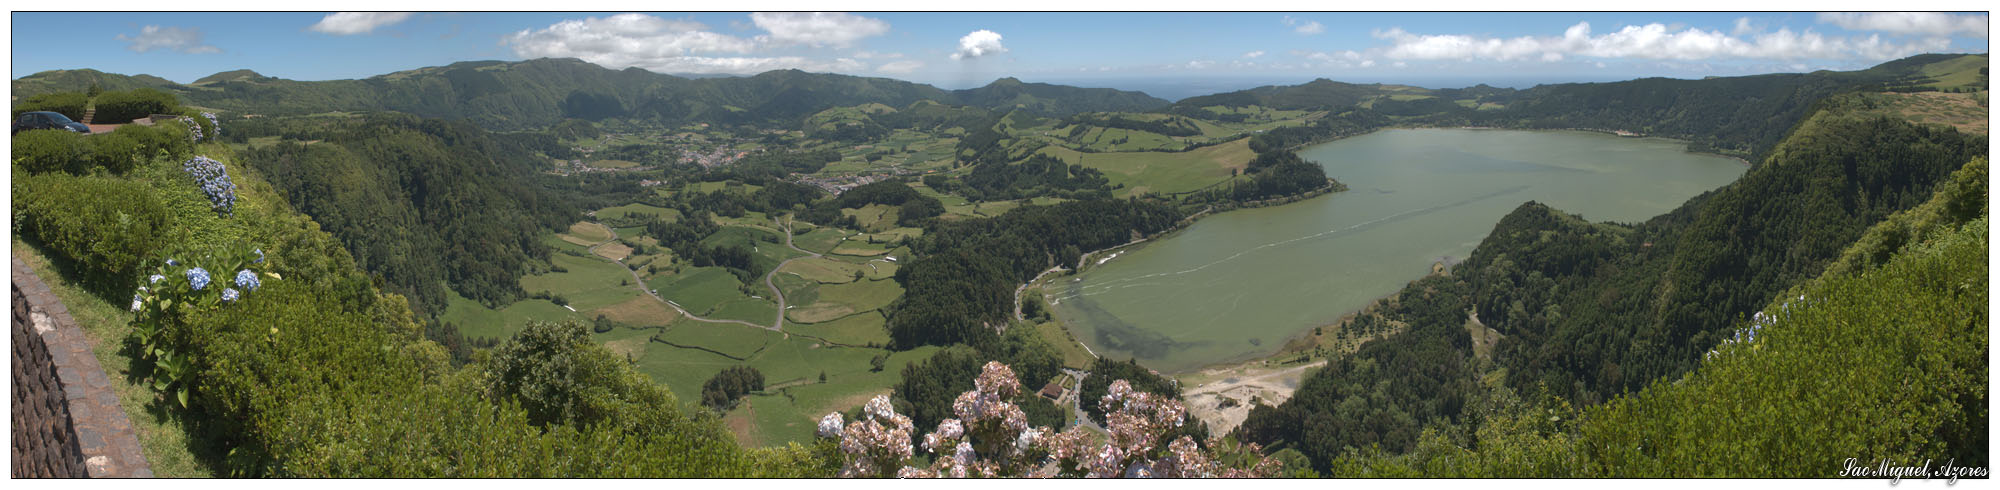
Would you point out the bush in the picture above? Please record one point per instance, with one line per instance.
(52, 150)
(106, 226)
(69, 104)
(722, 390)
(124, 106)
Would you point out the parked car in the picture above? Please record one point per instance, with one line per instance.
(47, 120)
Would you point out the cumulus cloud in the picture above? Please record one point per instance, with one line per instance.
(1651, 41)
(871, 55)
(978, 43)
(1253, 54)
(900, 67)
(1919, 23)
(661, 45)
(818, 28)
(1307, 27)
(168, 38)
(348, 23)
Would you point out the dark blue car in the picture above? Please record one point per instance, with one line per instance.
(47, 120)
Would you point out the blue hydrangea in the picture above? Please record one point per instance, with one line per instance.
(246, 280)
(213, 123)
(154, 279)
(197, 278)
(229, 295)
(213, 178)
(260, 256)
(136, 304)
(172, 263)
(194, 130)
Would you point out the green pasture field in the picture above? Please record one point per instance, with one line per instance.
(590, 283)
(857, 329)
(1163, 172)
(655, 212)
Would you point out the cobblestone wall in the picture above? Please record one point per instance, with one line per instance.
(67, 421)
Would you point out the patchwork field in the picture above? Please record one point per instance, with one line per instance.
(589, 283)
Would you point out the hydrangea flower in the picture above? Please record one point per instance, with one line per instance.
(246, 280)
(213, 123)
(197, 278)
(260, 256)
(213, 178)
(830, 426)
(229, 295)
(153, 279)
(194, 130)
(136, 303)
(172, 263)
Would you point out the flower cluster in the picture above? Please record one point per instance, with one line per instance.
(1748, 334)
(194, 129)
(874, 445)
(990, 437)
(212, 123)
(213, 178)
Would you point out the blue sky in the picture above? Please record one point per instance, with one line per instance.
(967, 49)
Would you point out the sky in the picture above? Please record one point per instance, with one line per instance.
(1187, 52)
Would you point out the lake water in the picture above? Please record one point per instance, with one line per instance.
(1237, 285)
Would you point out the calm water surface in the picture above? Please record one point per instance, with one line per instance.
(1237, 285)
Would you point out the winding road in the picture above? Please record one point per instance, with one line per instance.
(776, 325)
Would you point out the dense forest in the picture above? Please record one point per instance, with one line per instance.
(424, 203)
(962, 280)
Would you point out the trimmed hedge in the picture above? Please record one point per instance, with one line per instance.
(66, 103)
(106, 226)
(124, 106)
(118, 151)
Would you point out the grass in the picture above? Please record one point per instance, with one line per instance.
(1163, 172)
(861, 248)
(753, 310)
(861, 295)
(589, 283)
(795, 399)
(729, 339)
(612, 164)
(169, 451)
(861, 329)
(824, 270)
(562, 242)
(821, 240)
(475, 320)
(873, 217)
(591, 232)
(641, 310)
(656, 212)
(699, 289)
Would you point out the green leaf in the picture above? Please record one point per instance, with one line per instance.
(183, 396)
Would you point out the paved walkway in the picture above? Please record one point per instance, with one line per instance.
(110, 447)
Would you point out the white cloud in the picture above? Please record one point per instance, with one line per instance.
(978, 43)
(168, 38)
(1743, 27)
(347, 23)
(1650, 41)
(1253, 54)
(871, 55)
(1199, 64)
(1921, 23)
(818, 28)
(1307, 27)
(661, 45)
(900, 66)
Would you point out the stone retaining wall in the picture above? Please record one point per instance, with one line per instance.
(67, 421)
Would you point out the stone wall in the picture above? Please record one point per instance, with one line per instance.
(67, 421)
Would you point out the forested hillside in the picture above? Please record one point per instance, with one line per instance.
(1591, 311)
(427, 204)
(538, 93)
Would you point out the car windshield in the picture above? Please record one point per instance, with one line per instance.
(57, 118)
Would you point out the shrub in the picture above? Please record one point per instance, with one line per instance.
(722, 390)
(53, 150)
(69, 104)
(106, 226)
(124, 106)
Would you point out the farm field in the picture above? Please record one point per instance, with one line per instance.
(1163, 172)
(636, 209)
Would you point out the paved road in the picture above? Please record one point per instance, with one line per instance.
(786, 230)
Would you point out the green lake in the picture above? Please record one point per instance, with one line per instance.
(1237, 285)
